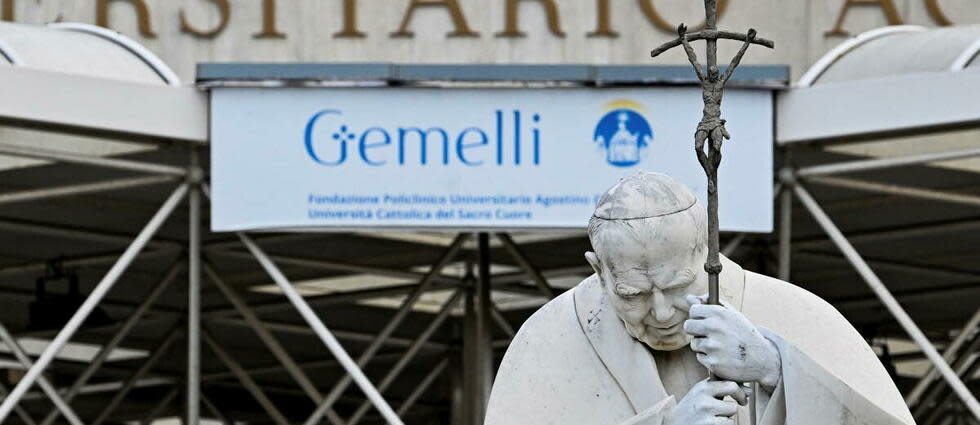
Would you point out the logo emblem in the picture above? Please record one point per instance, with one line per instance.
(623, 132)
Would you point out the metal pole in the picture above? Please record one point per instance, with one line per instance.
(155, 411)
(269, 340)
(733, 244)
(340, 334)
(81, 189)
(877, 164)
(77, 233)
(46, 386)
(137, 375)
(502, 322)
(328, 339)
(246, 380)
(422, 387)
(193, 392)
(334, 266)
(116, 339)
(21, 413)
(484, 329)
(930, 408)
(887, 299)
(477, 347)
(99, 161)
(397, 369)
(214, 410)
(965, 334)
(894, 189)
(785, 231)
(515, 251)
(390, 327)
(93, 299)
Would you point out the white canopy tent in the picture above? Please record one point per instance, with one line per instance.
(897, 97)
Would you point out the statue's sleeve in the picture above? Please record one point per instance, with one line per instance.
(808, 394)
(829, 372)
(655, 415)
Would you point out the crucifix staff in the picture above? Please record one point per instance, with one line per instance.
(711, 129)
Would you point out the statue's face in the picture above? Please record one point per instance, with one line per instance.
(647, 281)
(713, 72)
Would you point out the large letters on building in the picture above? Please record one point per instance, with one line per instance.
(348, 13)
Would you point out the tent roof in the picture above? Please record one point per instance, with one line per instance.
(890, 82)
(886, 52)
(81, 49)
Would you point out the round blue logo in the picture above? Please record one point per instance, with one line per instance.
(622, 133)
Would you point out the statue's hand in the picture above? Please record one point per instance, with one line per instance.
(751, 34)
(730, 346)
(681, 30)
(705, 404)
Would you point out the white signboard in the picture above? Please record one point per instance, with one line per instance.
(380, 158)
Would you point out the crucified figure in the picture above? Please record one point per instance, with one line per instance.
(712, 126)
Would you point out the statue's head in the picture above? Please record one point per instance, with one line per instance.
(713, 72)
(650, 240)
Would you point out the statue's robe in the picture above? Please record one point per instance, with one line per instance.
(572, 363)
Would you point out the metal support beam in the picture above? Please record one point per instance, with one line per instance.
(154, 413)
(82, 189)
(477, 340)
(76, 262)
(968, 331)
(501, 321)
(116, 339)
(785, 230)
(340, 334)
(135, 377)
(334, 266)
(397, 369)
(97, 161)
(82, 234)
(424, 285)
(246, 380)
(253, 321)
(193, 393)
(887, 299)
(328, 339)
(21, 413)
(515, 251)
(733, 244)
(100, 290)
(422, 387)
(213, 408)
(882, 163)
(46, 386)
(894, 189)
(938, 400)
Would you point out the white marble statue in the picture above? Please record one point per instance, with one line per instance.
(633, 343)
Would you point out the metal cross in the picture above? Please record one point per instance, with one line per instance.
(712, 127)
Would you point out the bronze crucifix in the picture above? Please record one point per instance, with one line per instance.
(712, 127)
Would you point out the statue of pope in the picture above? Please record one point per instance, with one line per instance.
(634, 343)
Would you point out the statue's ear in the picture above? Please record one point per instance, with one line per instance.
(594, 262)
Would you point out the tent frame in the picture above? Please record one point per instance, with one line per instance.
(473, 292)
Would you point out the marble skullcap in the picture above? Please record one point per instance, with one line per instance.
(644, 195)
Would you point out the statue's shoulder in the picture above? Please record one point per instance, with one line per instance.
(794, 312)
(557, 314)
(551, 373)
(785, 296)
